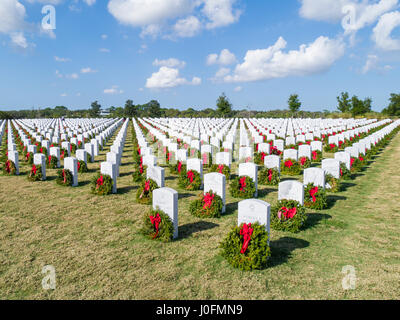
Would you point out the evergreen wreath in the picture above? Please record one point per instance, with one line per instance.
(52, 162)
(190, 180)
(345, 173)
(259, 158)
(139, 174)
(82, 166)
(209, 205)
(355, 165)
(288, 215)
(304, 163)
(63, 153)
(246, 247)
(269, 177)
(29, 158)
(9, 168)
(315, 197)
(221, 168)
(333, 183)
(331, 148)
(177, 168)
(157, 225)
(64, 177)
(243, 187)
(102, 184)
(316, 156)
(144, 195)
(208, 163)
(35, 174)
(290, 167)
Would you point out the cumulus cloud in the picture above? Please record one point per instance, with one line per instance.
(59, 59)
(171, 63)
(382, 32)
(273, 62)
(188, 27)
(113, 90)
(169, 78)
(370, 63)
(88, 70)
(12, 21)
(224, 58)
(220, 13)
(104, 50)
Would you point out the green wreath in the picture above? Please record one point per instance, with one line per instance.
(269, 177)
(64, 177)
(144, 195)
(63, 153)
(345, 173)
(165, 226)
(356, 165)
(304, 163)
(210, 160)
(209, 205)
(243, 187)
(185, 182)
(102, 184)
(9, 168)
(138, 176)
(259, 158)
(315, 197)
(316, 156)
(42, 150)
(82, 166)
(293, 221)
(174, 168)
(72, 148)
(331, 148)
(221, 168)
(52, 162)
(290, 167)
(29, 158)
(38, 176)
(257, 253)
(335, 184)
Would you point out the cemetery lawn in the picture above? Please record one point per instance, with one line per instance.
(97, 250)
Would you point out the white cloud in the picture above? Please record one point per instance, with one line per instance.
(72, 76)
(222, 72)
(220, 13)
(238, 89)
(113, 90)
(224, 58)
(58, 74)
(370, 63)
(171, 63)
(12, 21)
(104, 36)
(273, 62)
(19, 39)
(105, 50)
(88, 70)
(58, 59)
(188, 27)
(168, 78)
(381, 34)
(63, 95)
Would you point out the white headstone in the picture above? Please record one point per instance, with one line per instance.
(166, 200)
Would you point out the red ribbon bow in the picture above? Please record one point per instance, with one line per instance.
(303, 161)
(313, 192)
(246, 232)
(155, 221)
(289, 164)
(263, 155)
(242, 183)
(314, 155)
(79, 165)
(287, 213)
(190, 176)
(179, 167)
(220, 168)
(270, 172)
(8, 166)
(100, 182)
(34, 170)
(208, 200)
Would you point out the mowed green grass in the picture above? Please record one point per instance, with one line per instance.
(97, 250)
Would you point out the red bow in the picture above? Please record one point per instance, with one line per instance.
(270, 172)
(314, 155)
(287, 213)
(179, 167)
(246, 232)
(79, 165)
(138, 150)
(352, 161)
(361, 159)
(242, 183)
(341, 172)
(49, 159)
(190, 176)
(8, 166)
(27, 156)
(289, 164)
(332, 146)
(155, 221)
(34, 170)
(169, 156)
(313, 192)
(303, 161)
(221, 168)
(263, 156)
(208, 200)
(99, 182)
(64, 176)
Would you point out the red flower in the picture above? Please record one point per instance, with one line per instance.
(242, 183)
(208, 200)
(190, 176)
(313, 192)
(246, 232)
(289, 164)
(155, 221)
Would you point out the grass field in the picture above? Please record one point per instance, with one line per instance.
(98, 253)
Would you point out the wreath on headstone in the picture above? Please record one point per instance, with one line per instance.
(269, 177)
(259, 158)
(102, 184)
(72, 148)
(345, 173)
(207, 160)
(63, 153)
(29, 158)
(355, 165)
(9, 168)
(290, 167)
(209, 205)
(288, 215)
(82, 166)
(316, 156)
(36, 173)
(304, 163)
(64, 177)
(139, 174)
(243, 187)
(144, 194)
(167, 155)
(332, 184)
(157, 225)
(52, 162)
(190, 180)
(43, 150)
(292, 146)
(331, 148)
(221, 168)
(315, 197)
(246, 247)
(177, 168)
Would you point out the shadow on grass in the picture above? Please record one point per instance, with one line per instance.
(125, 174)
(346, 185)
(186, 195)
(83, 183)
(171, 178)
(187, 230)
(231, 208)
(313, 219)
(127, 189)
(264, 192)
(333, 199)
(281, 250)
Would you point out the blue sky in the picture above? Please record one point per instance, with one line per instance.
(185, 53)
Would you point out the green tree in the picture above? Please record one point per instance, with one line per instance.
(393, 109)
(154, 109)
(344, 102)
(294, 103)
(130, 109)
(360, 107)
(224, 107)
(95, 109)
